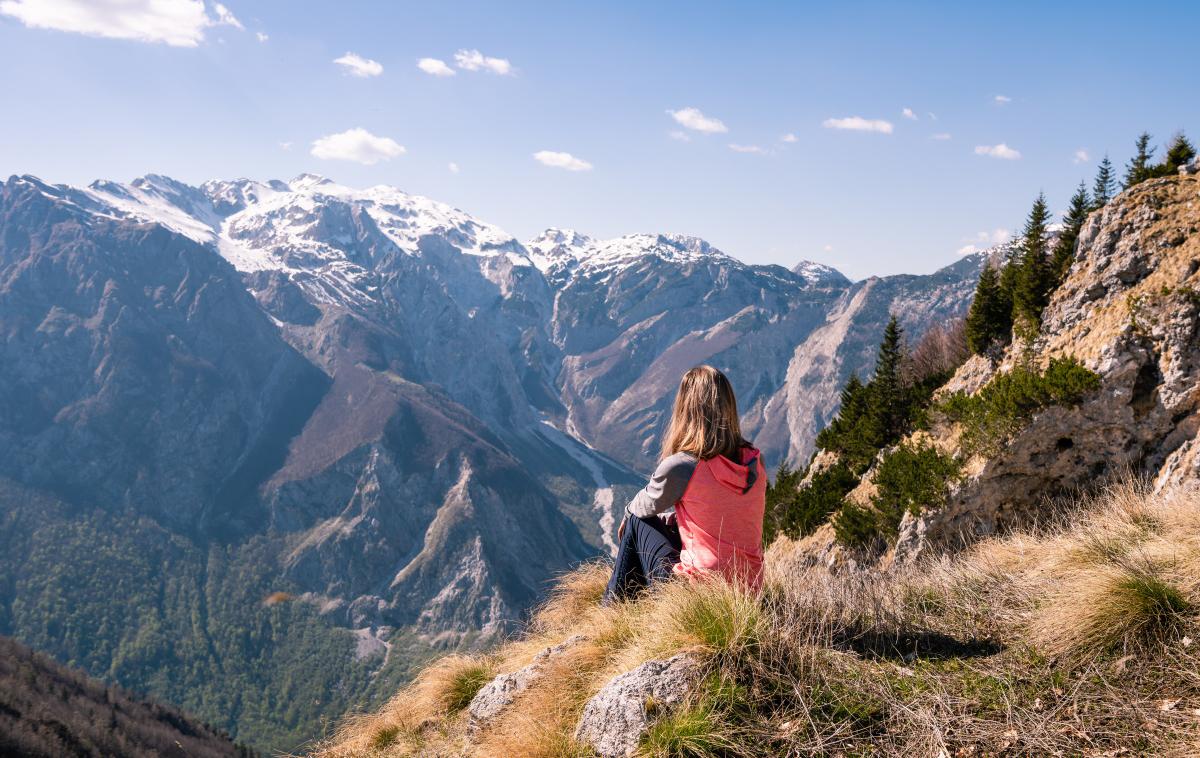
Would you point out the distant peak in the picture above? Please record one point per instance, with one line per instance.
(307, 180)
(819, 273)
(556, 236)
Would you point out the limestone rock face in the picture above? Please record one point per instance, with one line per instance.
(499, 693)
(1128, 310)
(615, 719)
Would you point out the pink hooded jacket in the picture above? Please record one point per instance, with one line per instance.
(719, 507)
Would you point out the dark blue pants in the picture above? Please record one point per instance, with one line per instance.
(648, 552)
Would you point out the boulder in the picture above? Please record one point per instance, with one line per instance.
(615, 719)
(499, 693)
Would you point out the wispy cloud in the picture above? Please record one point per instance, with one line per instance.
(908, 113)
(262, 36)
(473, 60)
(357, 145)
(180, 23)
(984, 240)
(940, 136)
(858, 124)
(1002, 99)
(692, 118)
(285, 145)
(1081, 156)
(453, 167)
(226, 17)
(356, 65)
(789, 137)
(435, 67)
(1001, 151)
(561, 160)
(753, 149)
(680, 136)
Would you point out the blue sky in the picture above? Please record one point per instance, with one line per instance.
(89, 93)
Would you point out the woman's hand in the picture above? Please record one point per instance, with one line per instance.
(621, 529)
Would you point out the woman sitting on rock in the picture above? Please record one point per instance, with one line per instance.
(702, 511)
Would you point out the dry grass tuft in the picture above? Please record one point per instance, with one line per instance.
(1075, 639)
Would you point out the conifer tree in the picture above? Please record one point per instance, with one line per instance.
(1064, 248)
(989, 319)
(886, 383)
(1105, 186)
(1032, 281)
(1179, 152)
(1139, 168)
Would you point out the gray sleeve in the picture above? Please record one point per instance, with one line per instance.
(666, 486)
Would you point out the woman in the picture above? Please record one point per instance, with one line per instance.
(702, 511)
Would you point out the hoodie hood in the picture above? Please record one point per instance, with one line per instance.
(739, 477)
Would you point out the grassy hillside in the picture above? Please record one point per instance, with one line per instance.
(1077, 640)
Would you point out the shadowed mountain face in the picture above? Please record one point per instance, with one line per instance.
(395, 413)
(49, 710)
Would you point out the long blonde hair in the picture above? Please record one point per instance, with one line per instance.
(704, 421)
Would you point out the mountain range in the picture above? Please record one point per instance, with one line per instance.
(362, 423)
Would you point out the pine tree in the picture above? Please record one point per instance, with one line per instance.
(886, 383)
(1064, 248)
(1105, 186)
(1032, 281)
(990, 318)
(1179, 153)
(1139, 169)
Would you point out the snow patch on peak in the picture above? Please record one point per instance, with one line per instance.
(556, 247)
(815, 273)
(308, 181)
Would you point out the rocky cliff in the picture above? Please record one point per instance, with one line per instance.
(1129, 310)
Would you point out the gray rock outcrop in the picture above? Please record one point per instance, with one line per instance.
(617, 716)
(499, 693)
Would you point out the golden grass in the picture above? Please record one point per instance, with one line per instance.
(1076, 638)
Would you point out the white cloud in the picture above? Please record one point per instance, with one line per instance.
(225, 16)
(1002, 99)
(752, 149)
(561, 160)
(473, 60)
(858, 124)
(261, 36)
(984, 240)
(435, 67)
(680, 136)
(1081, 156)
(356, 65)
(1001, 151)
(828, 248)
(180, 23)
(941, 136)
(357, 145)
(908, 113)
(285, 145)
(789, 137)
(453, 167)
(692, 118)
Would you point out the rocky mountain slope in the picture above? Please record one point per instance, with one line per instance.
(47, 710)
(1121, 333)
(366, 400)
(1128, 310)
